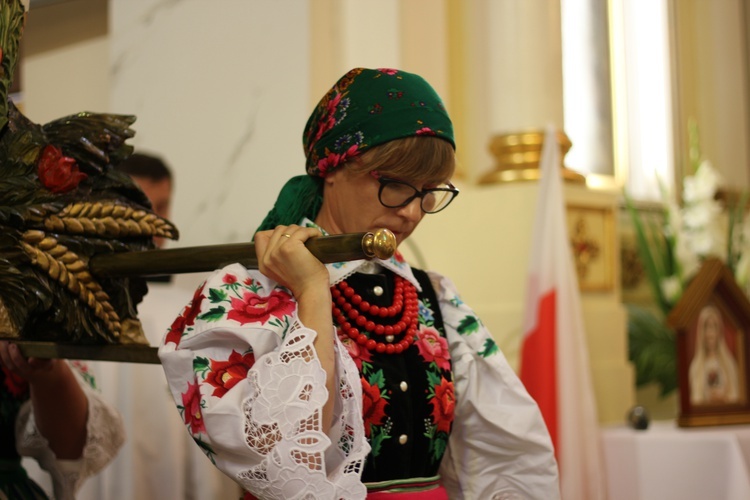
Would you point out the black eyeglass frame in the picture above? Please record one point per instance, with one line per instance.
(384, 181)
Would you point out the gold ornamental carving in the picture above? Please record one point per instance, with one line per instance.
(591, 231)
(585, 248)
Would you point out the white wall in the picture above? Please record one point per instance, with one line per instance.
(220, 91)
(65, 60)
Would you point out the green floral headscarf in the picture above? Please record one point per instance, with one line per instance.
(365, 108)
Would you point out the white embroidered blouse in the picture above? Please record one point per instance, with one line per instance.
(105, 435)
(250, 389)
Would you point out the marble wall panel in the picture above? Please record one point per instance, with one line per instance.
(220, 89)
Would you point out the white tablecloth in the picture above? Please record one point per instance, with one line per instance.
(667, 462)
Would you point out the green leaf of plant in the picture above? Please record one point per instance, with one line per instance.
(647, 247)
(651, 349)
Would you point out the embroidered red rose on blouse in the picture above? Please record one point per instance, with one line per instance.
(253, 308)
(443, 405)
(58, 173)
(434, 348)
(226, 374)
(187, 318)
(373, 406)
(229, 279)
(193, 415)
(357, 352)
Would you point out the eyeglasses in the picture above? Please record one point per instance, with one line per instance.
(394, 193)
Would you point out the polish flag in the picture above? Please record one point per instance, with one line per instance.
(554, 357)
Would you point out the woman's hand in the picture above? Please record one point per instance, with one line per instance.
(283, 257)
(33, 370)
(60, 405)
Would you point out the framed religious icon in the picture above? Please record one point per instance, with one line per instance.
(711, 323)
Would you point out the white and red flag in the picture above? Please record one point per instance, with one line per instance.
(554, 357)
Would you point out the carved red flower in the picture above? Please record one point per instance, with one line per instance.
(254, 308)
(226, 374)
(187, 318)
(443, 405)
(373, 406)
(58, 173)
(14, 384)
(193, 414)
(433, 347)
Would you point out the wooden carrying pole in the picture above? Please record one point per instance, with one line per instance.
(328, 249)
(379, 244)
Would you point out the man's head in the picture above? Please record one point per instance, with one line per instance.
(154, 178)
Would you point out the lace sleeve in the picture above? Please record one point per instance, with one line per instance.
(105, 435)
(499, 447)
(246, 380)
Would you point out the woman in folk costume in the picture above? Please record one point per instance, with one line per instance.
(360, 379)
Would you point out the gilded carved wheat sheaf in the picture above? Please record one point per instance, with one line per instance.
(108, 219)
(7, 328)
(68, 269)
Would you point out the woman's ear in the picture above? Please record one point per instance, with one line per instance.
(332, 177)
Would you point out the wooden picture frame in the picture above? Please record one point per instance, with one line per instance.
(711, 323)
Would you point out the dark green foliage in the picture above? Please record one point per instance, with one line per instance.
(651, 349)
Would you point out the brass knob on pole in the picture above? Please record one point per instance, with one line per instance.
(381, 244)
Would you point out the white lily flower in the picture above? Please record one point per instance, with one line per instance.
(671, 287)
(701, 186)
(688, 259)
(705, 242)
(700, 214)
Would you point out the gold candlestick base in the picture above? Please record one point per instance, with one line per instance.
(518, 154)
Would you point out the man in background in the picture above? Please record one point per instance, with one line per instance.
(154, 178)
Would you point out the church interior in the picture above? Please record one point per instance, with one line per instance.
(640, 94)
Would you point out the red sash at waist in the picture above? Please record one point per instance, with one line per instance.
(411, 489)
(427, 488)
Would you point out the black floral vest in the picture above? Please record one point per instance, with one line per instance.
(407, 397)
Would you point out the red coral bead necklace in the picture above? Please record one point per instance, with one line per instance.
(351, 312)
